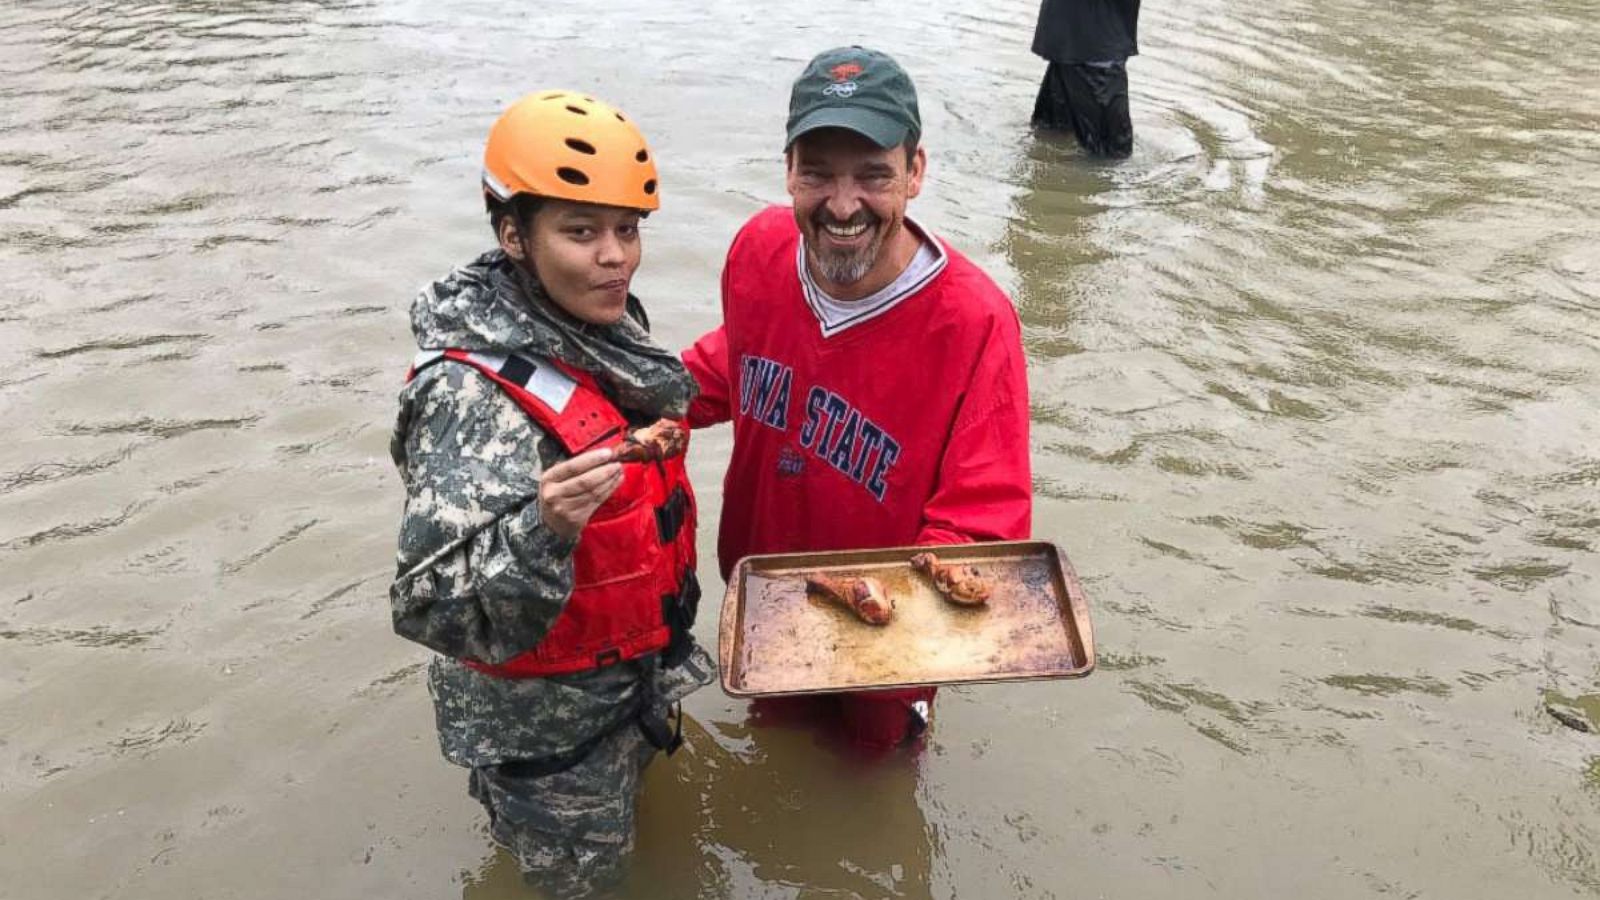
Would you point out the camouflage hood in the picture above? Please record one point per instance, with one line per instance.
(491, 305)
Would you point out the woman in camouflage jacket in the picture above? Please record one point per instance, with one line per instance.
(495, 504)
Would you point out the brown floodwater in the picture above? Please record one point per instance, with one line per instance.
(1316, 392)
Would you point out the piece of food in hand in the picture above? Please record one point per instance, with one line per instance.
(864, 596)
(655, 443)
(959, 583)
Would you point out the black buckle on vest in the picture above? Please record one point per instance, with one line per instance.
(608, 657)
(678, 611)
(671, 516)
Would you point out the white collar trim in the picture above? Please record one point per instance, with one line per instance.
(835, 316)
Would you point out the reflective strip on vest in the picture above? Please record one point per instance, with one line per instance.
(538, 377)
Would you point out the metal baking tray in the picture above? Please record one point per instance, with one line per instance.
(775, 639)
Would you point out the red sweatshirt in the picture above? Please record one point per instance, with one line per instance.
(910, 427)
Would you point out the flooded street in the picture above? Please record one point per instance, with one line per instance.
(1316, 396)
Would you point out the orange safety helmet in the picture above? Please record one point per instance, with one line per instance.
(569, 146)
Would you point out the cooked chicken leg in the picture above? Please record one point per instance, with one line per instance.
(661, 441)
(959, 583)
(864, 596)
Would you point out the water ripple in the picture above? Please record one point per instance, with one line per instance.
(73, 530)
(162, 428)
(44, 473)
(238, 565)
(131, 342)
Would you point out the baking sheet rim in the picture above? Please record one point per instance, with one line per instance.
(1074, 608)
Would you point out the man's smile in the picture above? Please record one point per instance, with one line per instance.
(845, 232)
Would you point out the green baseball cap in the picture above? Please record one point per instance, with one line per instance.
(852, 87)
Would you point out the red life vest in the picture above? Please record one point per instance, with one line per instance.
(634, 563)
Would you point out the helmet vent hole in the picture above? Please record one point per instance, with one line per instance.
(620, 117)
(650, 186)
(551, 95)
(642, 156)
(581, 146)
(577, 109)
(573, 176)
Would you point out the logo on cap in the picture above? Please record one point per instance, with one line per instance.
(843, 84)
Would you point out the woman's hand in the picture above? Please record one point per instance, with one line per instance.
(570, 491)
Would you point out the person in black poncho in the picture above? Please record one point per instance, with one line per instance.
(1085, 89)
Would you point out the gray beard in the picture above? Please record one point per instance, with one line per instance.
(844, 268)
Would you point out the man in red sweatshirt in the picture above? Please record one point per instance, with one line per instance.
(874, 376)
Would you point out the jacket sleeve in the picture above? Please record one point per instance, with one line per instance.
(708, 363)
(479, 576)
(985, 482)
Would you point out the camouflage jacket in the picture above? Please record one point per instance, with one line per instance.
(478, 574)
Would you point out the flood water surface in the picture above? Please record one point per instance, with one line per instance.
(1316, 398)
